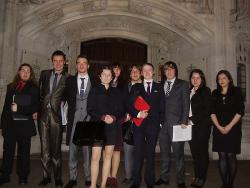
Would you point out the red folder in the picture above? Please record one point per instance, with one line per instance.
(140, 104)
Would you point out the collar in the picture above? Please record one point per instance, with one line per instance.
(81, 76)
(151, 80)
(171, 80)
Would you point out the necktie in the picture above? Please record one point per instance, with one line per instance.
(148, 88)
(82, 87)
(54, 82)
(168, 88)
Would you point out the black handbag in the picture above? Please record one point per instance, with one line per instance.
(127, 132)
(89, 132)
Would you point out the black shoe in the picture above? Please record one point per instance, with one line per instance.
(199, 183)
(151, 186)
(88, 183)
(4, 179)
(44, 182)
(23, 181)
(71, 184)
(134, 186)
(161, 181)
(193, 184)
(127, 181)
(181, 185)
(58, 183)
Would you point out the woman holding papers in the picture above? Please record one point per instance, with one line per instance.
(227, 111)
(104, 104)
(17, 123)
(199, 118)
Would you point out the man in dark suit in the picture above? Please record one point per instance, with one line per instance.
(145, 135)
(52, 84)
(176, 113)
(76, 94)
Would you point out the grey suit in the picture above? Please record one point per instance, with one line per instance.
(176, 112)
(50, 128)
(80, 114)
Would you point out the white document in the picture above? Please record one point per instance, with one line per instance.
(64, 113)
(180, 134)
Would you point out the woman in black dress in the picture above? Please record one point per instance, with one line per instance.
(227, 111)
(17, 124)
(117, 82)
(104, 104)
(199, 116)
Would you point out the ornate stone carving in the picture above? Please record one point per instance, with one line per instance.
(51, 16)
(140, 7)
(180, 23)
(37, 2)
(94, 5)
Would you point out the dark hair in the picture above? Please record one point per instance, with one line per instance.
(172, 65)
(228, 75)
(82, 56)
(116, 65)
(17, 77)
(104, 67)
(138, 67)
(149, 64)
(201, 74)
(58, 53)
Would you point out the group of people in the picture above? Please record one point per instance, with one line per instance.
(112, 102)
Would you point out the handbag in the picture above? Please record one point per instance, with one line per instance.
(89, 132)
(127, 132)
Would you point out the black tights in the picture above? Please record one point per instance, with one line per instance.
(227, 168)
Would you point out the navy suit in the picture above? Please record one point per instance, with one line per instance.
(145, 136)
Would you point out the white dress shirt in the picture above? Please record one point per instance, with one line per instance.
(146, 85)
(171, 85)
(79, 81)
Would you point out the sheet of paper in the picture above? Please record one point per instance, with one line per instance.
(64, 113)
(180, 134)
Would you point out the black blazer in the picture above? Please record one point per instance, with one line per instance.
(70, 92)
(201, 108)
(27, 103)
(102, 102)
(155, 100)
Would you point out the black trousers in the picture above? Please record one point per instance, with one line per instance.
(199, 149)
(144, 147)
(23, 155)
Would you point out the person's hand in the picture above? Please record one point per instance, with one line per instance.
(34, 116)
(127, 118)
(183, 126)
(108, 119)
(143, 114)
(227, 129)
(221, 129)
(14, 107)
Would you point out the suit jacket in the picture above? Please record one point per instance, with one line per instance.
(177, 104)
(201, 108)
(27, 103)
(70, 96)
(54, 98)
(155, 100)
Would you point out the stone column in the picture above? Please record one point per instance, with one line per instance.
(74, 51)
(224, 43)
(8, 14)
(153, 46)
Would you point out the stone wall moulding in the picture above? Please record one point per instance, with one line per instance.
(51, 16)
(94, 5)
(140, 7)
